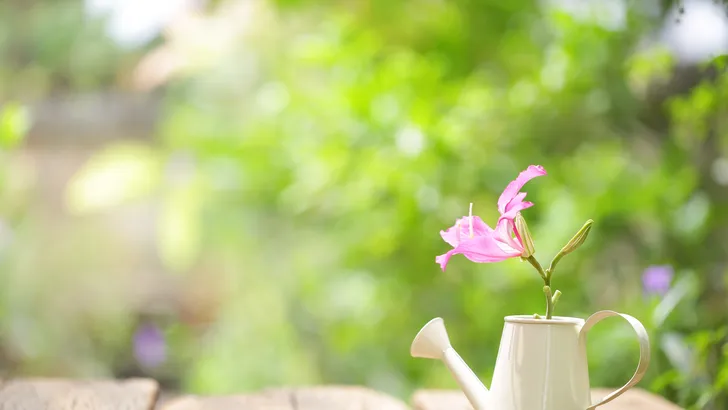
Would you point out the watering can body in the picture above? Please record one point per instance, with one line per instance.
(541, 364)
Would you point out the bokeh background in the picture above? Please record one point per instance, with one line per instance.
(237, 194)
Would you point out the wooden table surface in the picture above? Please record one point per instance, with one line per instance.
(143, 394)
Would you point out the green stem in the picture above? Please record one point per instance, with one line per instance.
(556, 297)
(546, 276)
(538, 267)
(553, 263)
(549, 301)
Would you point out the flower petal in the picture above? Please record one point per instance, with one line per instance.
(513, 210)
(455, 235)
(481, 249)
(515, 186)
(515, 201)
(444, 258)
(504, 233)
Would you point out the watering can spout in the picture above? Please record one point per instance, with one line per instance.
(432, 342)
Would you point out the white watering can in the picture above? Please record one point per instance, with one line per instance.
(541, 363)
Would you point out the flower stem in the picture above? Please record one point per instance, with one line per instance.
(538, 267)
(556, 297)
(556, 260)
(546, 276)
(549, 301)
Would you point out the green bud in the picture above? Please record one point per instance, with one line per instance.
(525, 234)
(536, 316)
(578, 239)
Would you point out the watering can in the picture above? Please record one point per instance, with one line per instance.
(541, 363)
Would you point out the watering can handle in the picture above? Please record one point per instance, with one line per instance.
(643, 339)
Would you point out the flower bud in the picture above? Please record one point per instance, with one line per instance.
(525, 235)
(578, 239)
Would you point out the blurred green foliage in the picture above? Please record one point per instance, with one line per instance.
(309, 154)
(50, 46)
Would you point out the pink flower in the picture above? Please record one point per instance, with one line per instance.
(477, 241)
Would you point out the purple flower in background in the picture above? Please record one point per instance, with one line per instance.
(656, 279)
(150, 348)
